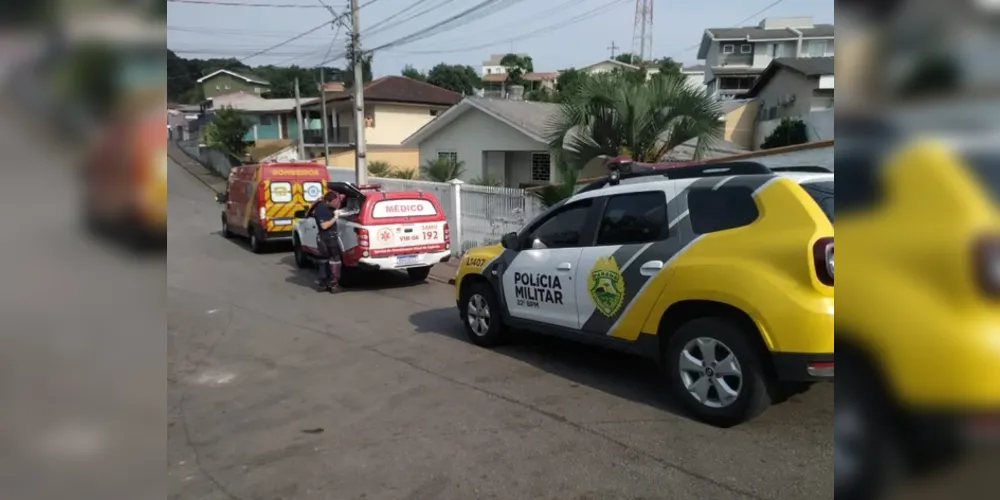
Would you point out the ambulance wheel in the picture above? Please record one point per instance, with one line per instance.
(419, 273)
(226, 233)
(256, 240)
(480, 314)
(302, 261)
(715, 371)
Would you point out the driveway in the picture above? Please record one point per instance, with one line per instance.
(278, 392)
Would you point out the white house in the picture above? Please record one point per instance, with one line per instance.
(735, 57)
(499, 139)
(798, 89)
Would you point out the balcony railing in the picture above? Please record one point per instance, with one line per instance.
(336, 135)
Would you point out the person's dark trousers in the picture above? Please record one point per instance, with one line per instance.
(329, 267)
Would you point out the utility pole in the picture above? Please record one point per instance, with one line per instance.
(326, 119)
(302, 125)
(614, 49)
(360, 155)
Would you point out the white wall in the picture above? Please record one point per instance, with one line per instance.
(472, 134)
(821, 157)
(493, 70)
(710, 60)
(695, 79)
(762, 52)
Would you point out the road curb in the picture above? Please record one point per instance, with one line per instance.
(446, 281)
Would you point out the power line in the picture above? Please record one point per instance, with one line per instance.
(292, 39)
(255, 5)
(429, 31)
(543, 30)
(381, 25)
(561, 8)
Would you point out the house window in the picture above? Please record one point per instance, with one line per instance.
(256, 90)
(266, 120)
(489, 71)
(218, 87)
(451, 156)
(728, 48)
(370, 119)
(540, 167)
(781, 50)
(819, 48)
(746, 48)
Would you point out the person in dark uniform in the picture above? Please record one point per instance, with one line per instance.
(328, 242)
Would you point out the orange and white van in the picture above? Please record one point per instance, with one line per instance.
(404, 230)
(262, 200)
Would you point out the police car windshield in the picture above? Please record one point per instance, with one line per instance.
(822, 192)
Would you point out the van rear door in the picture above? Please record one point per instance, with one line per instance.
(405, 223)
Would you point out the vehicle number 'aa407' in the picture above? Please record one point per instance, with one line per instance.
(530, 290)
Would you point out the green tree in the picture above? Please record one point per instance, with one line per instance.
(442, 170)
(789, 132)
(569, 81)
(226, 132)
(455, 77)
(628, 58)
(379, 168)
(612, 113)
(413, 73)
(667, 65)
(517, 66)
(404, 173)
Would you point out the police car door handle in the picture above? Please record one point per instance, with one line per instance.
(650, 268)
(565, 266)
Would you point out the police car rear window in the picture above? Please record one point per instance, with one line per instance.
(822, 192)
(389, 209)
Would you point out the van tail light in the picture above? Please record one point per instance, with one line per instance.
(447, 234)
(987, 265)
(263, 213)
(823, 260)
(362, 237)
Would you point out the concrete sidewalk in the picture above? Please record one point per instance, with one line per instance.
(445, 272)
(194, 167)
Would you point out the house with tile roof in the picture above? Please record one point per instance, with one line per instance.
(224, 81)
(735, 57)
(395, 108)
(505, 140)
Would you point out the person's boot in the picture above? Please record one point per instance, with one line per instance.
(334, 277)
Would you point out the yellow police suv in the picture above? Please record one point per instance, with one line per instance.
(918, 331)
(722, 273)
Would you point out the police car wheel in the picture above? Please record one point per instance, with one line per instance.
(714, 370)
(481, 316)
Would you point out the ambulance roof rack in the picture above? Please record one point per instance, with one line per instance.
(685, 172)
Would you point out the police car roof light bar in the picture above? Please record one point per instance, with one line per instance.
(685, 172)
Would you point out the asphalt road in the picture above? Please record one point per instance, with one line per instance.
(279, 392)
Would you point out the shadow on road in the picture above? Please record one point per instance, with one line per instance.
(365, 282)
(622, 375)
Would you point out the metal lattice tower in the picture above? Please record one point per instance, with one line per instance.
(642, 34)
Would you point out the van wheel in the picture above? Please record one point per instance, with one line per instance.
(226, 233)
(419, 273)
(302, 261)
(256, 240)
(480, 314)
(714, 370)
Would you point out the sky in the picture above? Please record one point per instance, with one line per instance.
(557, 34)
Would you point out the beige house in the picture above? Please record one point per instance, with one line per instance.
(395, 108)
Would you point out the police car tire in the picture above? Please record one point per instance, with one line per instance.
(757, 388)
(496, 334)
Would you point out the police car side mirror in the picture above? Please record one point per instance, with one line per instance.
(509, 241)
(220, 198)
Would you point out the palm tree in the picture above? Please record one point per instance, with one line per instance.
(442, 169)
(379, 168)
(404, 173)
(612, 114)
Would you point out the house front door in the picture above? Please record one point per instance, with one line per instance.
(283, 132)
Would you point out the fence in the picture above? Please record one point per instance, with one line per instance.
(477, 215)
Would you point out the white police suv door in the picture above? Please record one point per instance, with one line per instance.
(635, 239)
(538, 284)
